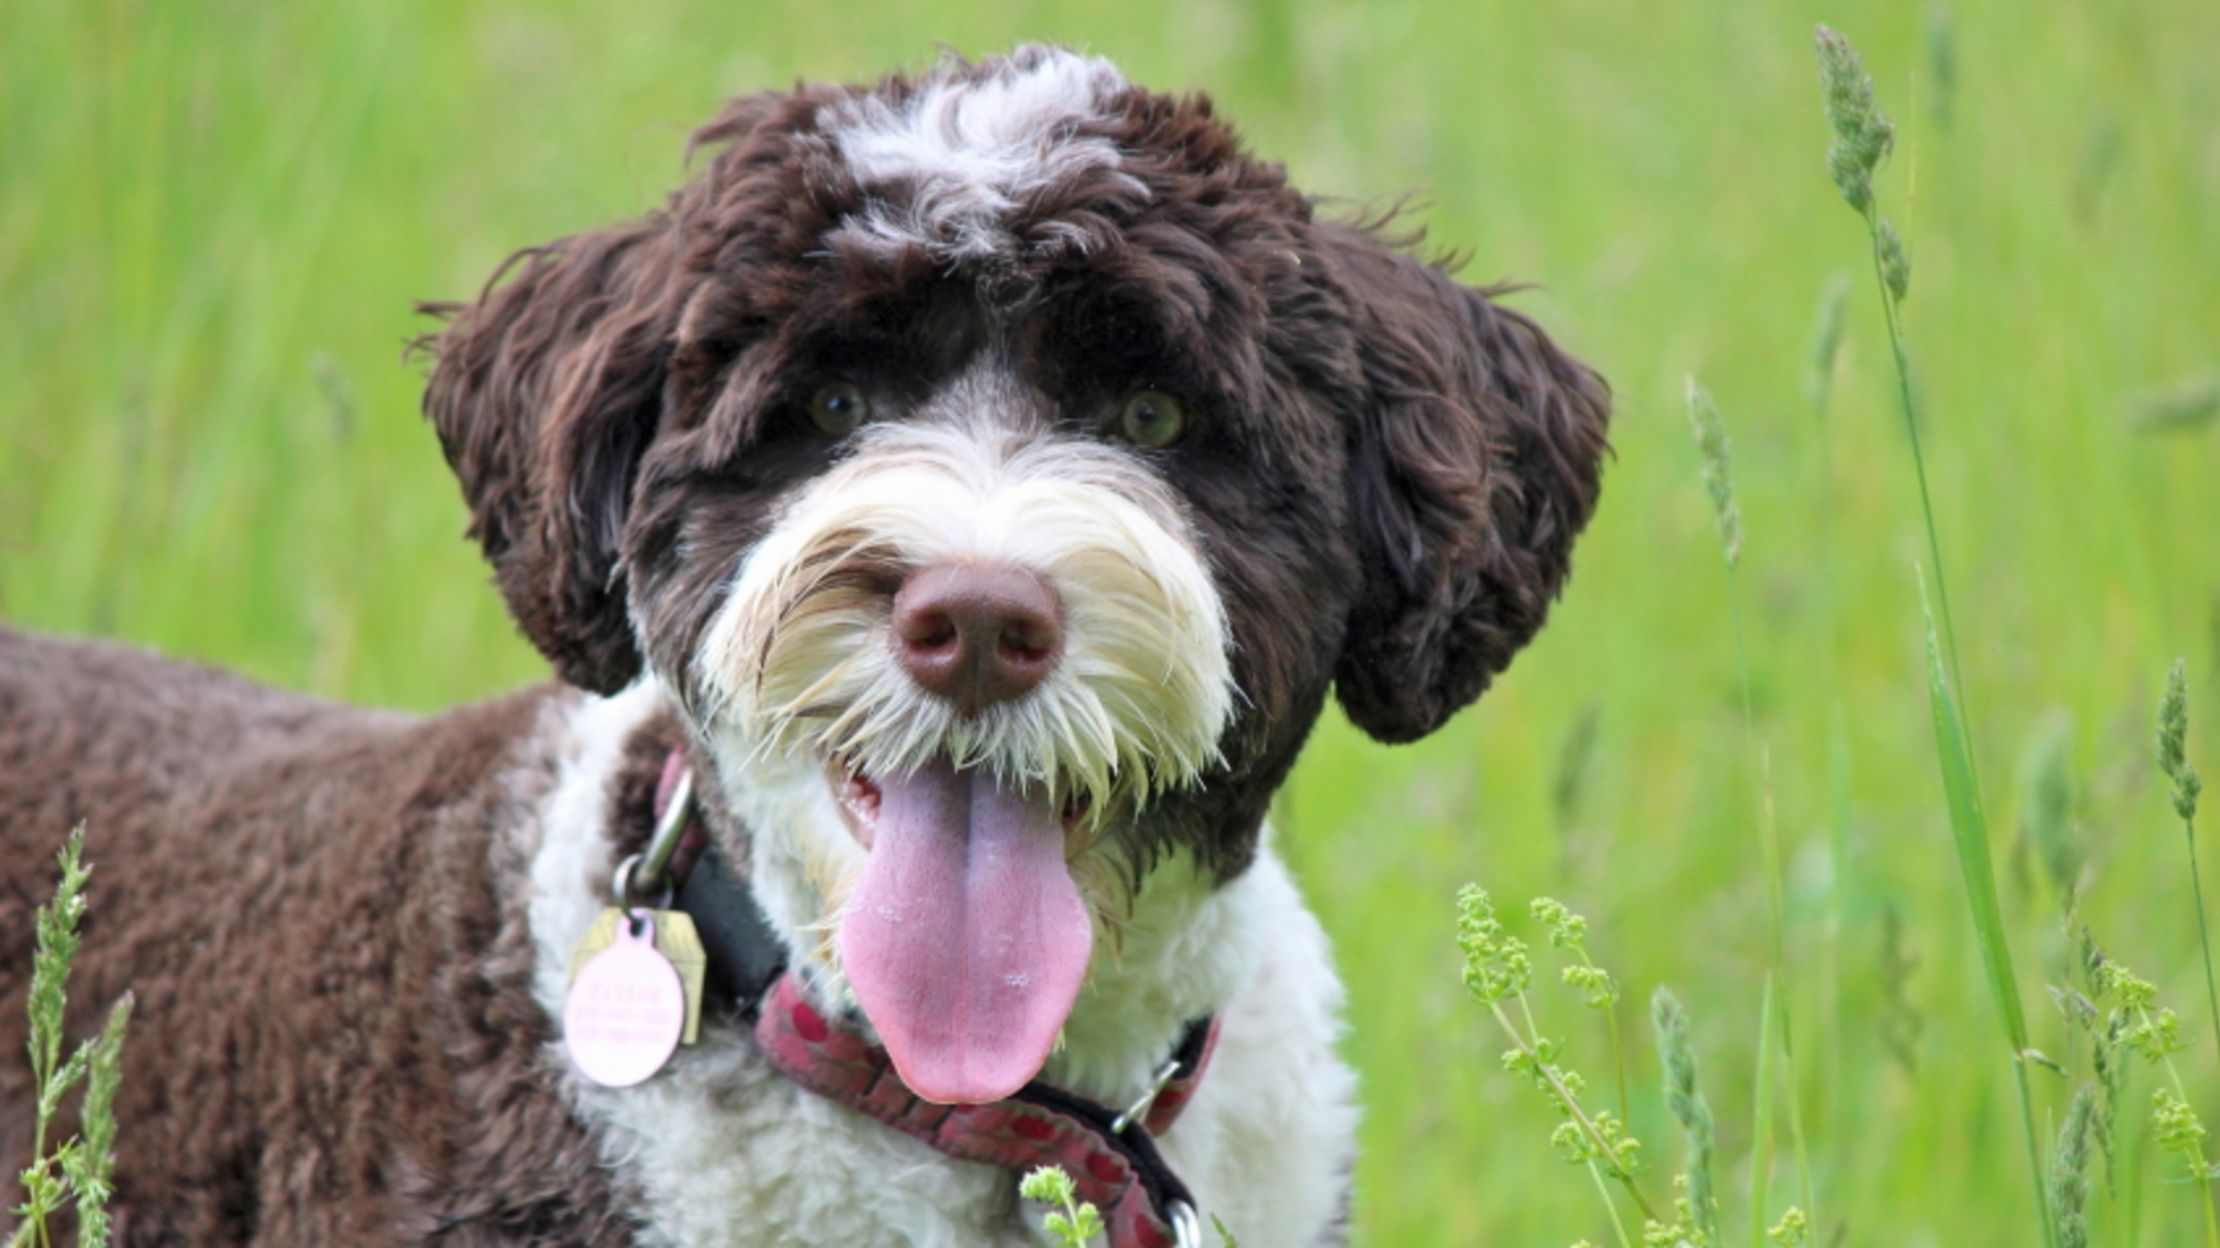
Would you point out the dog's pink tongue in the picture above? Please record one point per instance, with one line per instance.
(965, 940)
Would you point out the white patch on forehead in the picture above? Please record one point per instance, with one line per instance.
(973, 143)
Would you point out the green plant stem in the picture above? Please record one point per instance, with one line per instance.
(1618, 1051)
(1571, 1106)
(2034, 1152)
(2204, 935)
(1894, 319)
(1775, 891)
(1610, 1206)
(1761, 1120)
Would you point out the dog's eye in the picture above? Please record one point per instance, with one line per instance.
(838, 408)
(1151, 418)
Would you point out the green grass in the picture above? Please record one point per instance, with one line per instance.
(214, 219)
(68, 1174)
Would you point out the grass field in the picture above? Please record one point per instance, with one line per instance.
(214, 218)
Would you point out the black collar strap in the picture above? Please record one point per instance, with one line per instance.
(745, 955)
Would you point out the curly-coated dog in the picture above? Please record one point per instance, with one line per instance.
(947, 516)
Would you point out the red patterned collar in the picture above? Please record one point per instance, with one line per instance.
(1110, 1155)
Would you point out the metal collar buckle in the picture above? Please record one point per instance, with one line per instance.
(646, 873)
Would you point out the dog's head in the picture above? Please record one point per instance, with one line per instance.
(1000, 465)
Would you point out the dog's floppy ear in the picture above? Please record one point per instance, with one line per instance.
(1474, 465)
(546, 393)
(547, 390)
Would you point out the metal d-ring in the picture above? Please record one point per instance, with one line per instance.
(1186, 1227)
(1138, 1109)
(647, 871)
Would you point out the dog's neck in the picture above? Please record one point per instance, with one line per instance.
(1172, 949)
(1245, 952)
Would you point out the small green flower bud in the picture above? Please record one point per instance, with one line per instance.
(1571, 1142)
(1047, 1184)
(2177, 1128)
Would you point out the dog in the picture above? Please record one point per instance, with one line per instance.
(947, 517)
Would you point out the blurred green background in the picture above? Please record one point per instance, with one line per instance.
(214, 219)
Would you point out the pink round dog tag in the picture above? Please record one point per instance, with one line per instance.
(625, 1009)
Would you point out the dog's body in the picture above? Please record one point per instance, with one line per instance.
(981, 479)
(343, 1027)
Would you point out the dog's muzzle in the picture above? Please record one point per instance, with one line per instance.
(994, 645)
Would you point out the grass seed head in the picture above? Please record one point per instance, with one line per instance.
(2047, 805)
(1688, 1107)
(2173, 738)
(2106, 1054)
(1901, 1021)
(1896, 267)
(1574, 756)
(1826, 339)
(1718, 456)
(2069, 1170)
(57, 948)
(1793, 1228)
(1942, 64)
(1862, 135)
(92, 1166)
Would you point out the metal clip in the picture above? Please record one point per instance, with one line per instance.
(641, 872)
(1138, 1109)
(1186, 1227)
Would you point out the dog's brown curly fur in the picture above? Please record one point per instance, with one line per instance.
(335, 1041)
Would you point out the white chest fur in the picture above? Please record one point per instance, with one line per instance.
(727, 1152)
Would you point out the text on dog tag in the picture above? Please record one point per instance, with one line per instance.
(676, 938)
(626, 1008)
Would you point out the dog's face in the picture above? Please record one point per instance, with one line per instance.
(1000, 466)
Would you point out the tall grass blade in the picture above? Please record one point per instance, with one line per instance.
(1761, 1121)
(1717, 453)
(1970, 834)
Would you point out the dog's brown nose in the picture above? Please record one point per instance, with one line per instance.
(977, 634)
